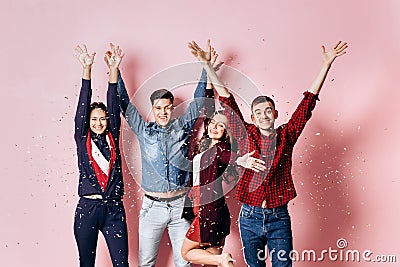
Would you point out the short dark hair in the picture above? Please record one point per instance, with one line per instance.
(262, 99)
(161, 94)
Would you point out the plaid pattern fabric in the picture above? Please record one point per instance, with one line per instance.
(275, 185)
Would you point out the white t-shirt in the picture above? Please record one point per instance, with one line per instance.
(196, 169)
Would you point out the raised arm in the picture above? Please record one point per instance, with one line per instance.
(237, 124)
(205, 58)
(85, 95)
(129, 111)
(328, 58)
(303, 111)
(195, 108)
(209, 104)
(113, 58)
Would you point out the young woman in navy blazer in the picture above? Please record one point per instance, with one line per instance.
(101, 187)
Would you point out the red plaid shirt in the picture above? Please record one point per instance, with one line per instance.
(275, 185)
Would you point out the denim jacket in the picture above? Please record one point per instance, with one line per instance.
(164, 150)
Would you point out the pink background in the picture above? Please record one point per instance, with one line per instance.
(345, 164)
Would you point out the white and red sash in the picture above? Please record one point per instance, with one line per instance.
(102, 167)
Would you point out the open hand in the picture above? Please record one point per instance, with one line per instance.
(83, 56)
(214, 57)
(200, 54)
(249, 162)
(113, 57)
(338, 50)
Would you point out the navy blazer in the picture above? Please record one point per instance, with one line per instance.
(88, 184)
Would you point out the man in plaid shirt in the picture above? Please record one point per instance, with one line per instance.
(264, 219)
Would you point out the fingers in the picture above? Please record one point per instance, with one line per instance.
(218, 66)
(323, 49)
(196, 50)
(78, 52)
(340, 50)
(195, 46)
(78, 49)
(81, 53)
(119, 52)
(92, 56)
(208, 49)
(113, 56)
(259, 166)
(255, 164)
(192, 49)
(108, 54)
(214, 56)
(337, 44)
(259, 161)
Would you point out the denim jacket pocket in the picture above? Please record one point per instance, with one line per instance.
(150, 148)
(150, 139)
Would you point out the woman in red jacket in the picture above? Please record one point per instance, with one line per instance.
(205, 238)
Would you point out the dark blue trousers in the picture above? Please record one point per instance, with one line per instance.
(108, 217)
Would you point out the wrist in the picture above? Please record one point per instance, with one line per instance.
(204, 62)
(113, 72)
(326, 65)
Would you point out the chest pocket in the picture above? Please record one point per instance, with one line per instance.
(150, 137)
(150, 144)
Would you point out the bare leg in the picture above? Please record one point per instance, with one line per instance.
(226, 257)
(192, 252)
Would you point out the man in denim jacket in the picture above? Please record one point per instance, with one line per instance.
(165, 168)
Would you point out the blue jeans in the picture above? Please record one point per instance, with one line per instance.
(155, 216)
(266, 227)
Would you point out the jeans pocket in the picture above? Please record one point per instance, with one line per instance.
(147, 204)
(282, 215)
(245, 213)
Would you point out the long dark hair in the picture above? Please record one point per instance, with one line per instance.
(204, 143)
